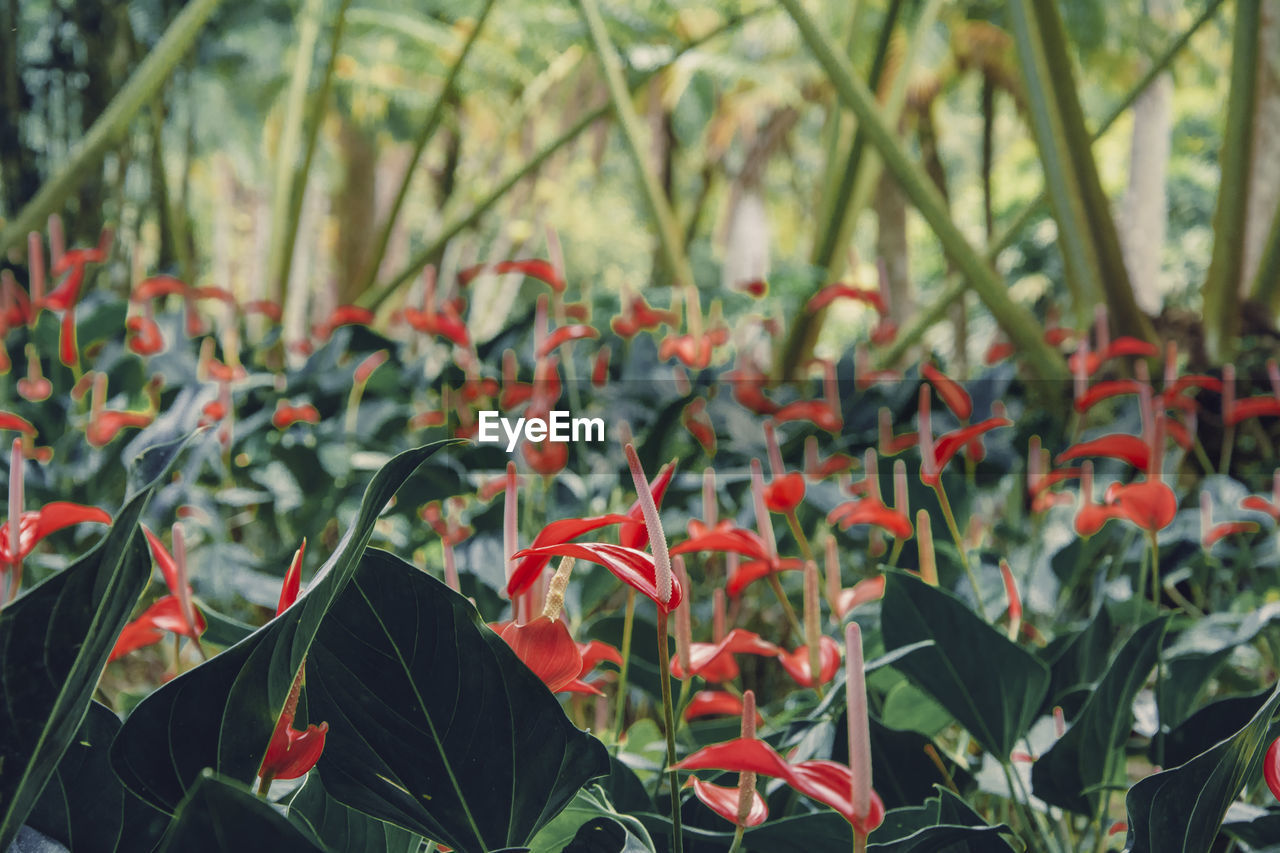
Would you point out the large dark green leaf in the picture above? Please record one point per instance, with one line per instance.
(944, 823)
(591, 824)
(1076, 662)
(1204, 728)
(219, 817)
(341, 828)
(434, 724)
(991, 686)
(1181, 809)
(220, 714)
(85, 807)
(1091, 752)
(54, 642)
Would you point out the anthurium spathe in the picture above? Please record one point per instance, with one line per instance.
(714, 661)
(741, 805)
(164, 616)
(797, 663)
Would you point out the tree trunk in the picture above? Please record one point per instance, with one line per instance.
(1264, 171)
(1143, 214)
(354, 208)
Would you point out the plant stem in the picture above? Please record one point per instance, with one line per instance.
(1228, 444)
(950, 518)
(264, 785)
(669, 716)
(736, 846)
(1019, 796)
(1155, 570)
(792, 622)
(798, 532)
(619, 713)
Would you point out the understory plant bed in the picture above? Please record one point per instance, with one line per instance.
(290, 595)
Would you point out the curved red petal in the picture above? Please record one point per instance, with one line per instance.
(529, 569)
(547, 648)
(748, 755)
(164, 560)
(1100, 391)
(952, 393)
(1271, 768)
(724, 802)
(629, 565)
(1128, 448)
(796, 663)
(563, 335)
(785, 493)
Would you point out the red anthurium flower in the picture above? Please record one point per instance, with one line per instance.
(547, 458)
(832, 292)
(165, 616)
(1150, 504)
(827, 782)
(796, 663)
(629, 565)
(34, 387)
(547, 648)
(445, 322)
(286, 414)
(638, 316)
(871, 510)
(756, 287)
(268, 308)
(1270, 507)
(344, 315)
(935, 455)
(1089, 361)
(825, 413)
(537, 268)
(952, 393)
(144, 335)
(173, 567)
(563, 335)
(727, 538)
(890, 444)
(1100, 391)
(1271, 768)
(714, 661)
(529, 569)
(600, 366)
(786, 490)
(1251, 407)
(724, 801)
(292, 753)
(997, 353)
(862, 592)
(692, 351)
(715, 703)
(695, 419)
(35, 525)
(634, 533)
(292, 584)
(1211, 533)
(816, 468)
(1128, 448)
(748, 383)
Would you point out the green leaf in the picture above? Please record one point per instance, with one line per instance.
(218, 817)
(54, 642)
(341, 828)
(85, 807)
(220, 714)
(591, 823)
(1076, 663)
(1179, 810)
(953, 827)
(991, 686)
(1091, 753)
(434, 724)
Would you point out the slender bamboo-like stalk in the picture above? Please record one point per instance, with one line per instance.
(113, 124)
(1016, 321)
(664, 220)
(955, 288)
(425, 135)
(1221, 288)
(288, 168)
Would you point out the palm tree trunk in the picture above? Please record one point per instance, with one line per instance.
(1264, 183)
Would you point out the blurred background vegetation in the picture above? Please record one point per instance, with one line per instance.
(322, 152)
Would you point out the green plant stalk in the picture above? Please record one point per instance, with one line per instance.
(1155, 569)
(140, 90)
(1018, 793)
(1266, 284)
(287, 167)
(950, 518)
(798, 532)
(1228, 444)
(375, 297)
(425, 135)
(1016, 321)
(620, 96)
(793, 624)
(736, 846)
(619, 711)
(927, 317)
(1221, 288)
(668, 714)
